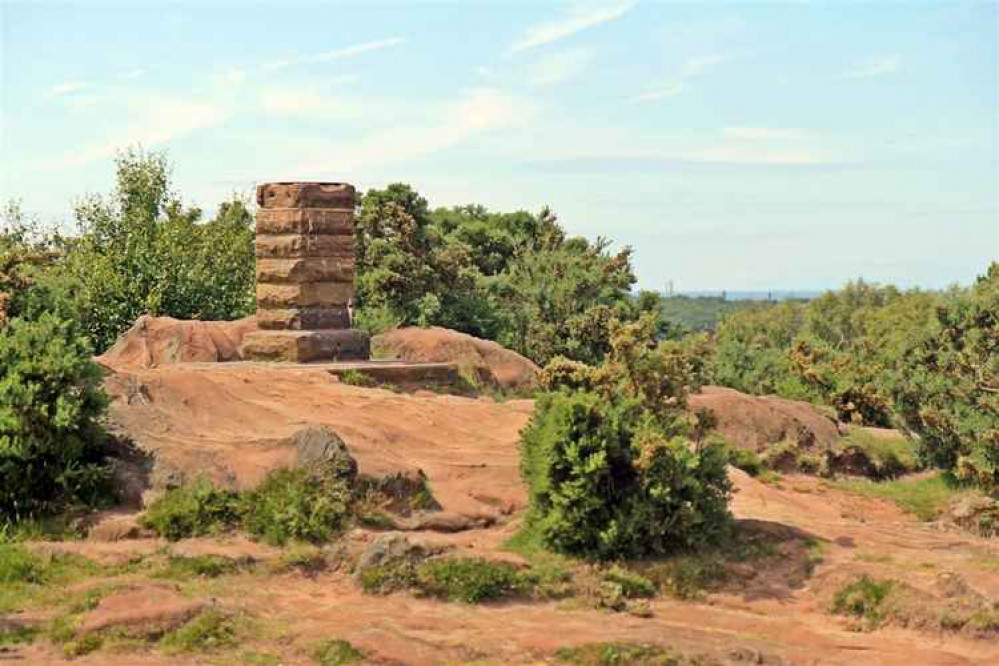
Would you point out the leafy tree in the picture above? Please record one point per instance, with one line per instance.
(141, 251)
(50, 402)
(511, 277)
(948, 390)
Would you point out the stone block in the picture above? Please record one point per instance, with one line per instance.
(305, 221)
(302, 319)
(305, 295)
(307, 269)
(287, 246)
(305, 195)
(306, 346)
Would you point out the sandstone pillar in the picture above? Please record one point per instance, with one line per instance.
(305, 275)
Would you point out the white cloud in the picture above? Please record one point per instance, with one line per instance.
(696, 66)
(133, 74)
(691, 68)
(577, 20)
(558, 67)
(336, 54)
(476, 112)
(68, 88)
(879, 66)
(764, 133)
(307, 102)
(653, 94)
(232, 77)
(158, 119)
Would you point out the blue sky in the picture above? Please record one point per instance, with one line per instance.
(733, 145)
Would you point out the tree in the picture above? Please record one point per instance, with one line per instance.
(140, 250)
(948, 390)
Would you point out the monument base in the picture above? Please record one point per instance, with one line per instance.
(307, 346)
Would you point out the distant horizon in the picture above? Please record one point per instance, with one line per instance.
(728, 143)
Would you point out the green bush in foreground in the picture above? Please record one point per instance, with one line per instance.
(611, 469)
(51, 445)
(470, 580)
(195, 509)
(308, 505)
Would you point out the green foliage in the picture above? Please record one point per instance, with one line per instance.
(633, 585)
(948, 393)
(623, 654)
(304, 504)
(337, 652)
(609, 471)
(14, 634)
(51, 444)
(700, 313)
(864, 598)
(746, 460)
(18, 565)
(198, 566)
(356, 378)
(194, 509)
(141, 251)
(208, 631)
(515, 277)
(843, 349)
(469, 580)
(891, 455)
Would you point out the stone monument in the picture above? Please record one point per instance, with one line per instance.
(305, 275)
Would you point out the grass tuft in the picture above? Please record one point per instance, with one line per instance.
(206, 632)
(336, 652)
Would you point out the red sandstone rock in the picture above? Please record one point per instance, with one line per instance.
(306, 195)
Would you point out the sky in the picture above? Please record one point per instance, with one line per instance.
(733, 145)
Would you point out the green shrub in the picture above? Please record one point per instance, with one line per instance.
(303, 504)
(208, 631)
(949, 392)
(610, 469)
(356, 378)
(746, 460)
(864, 598)
(194, 509)
(18, 565)
(622, 654)
(337, 652)
(470, 580)
(51, 445)
(633, 585)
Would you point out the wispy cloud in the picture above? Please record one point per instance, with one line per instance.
(696, 66)
(653, 94)
(133, 74)
(879, 66)
(765, 133)
(476, 112)
(157, 119)
(336, 54)
(577, 20)
(68, 88)
(690, 69)
(311, 101)
(558, 67)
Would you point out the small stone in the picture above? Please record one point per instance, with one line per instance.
(321, 446)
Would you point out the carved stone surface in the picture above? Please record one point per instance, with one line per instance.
(307, 346)
(305, 274)
(305, 195)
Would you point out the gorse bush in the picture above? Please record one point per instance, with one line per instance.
(610, 469)
(948, 393)
(51, 444)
